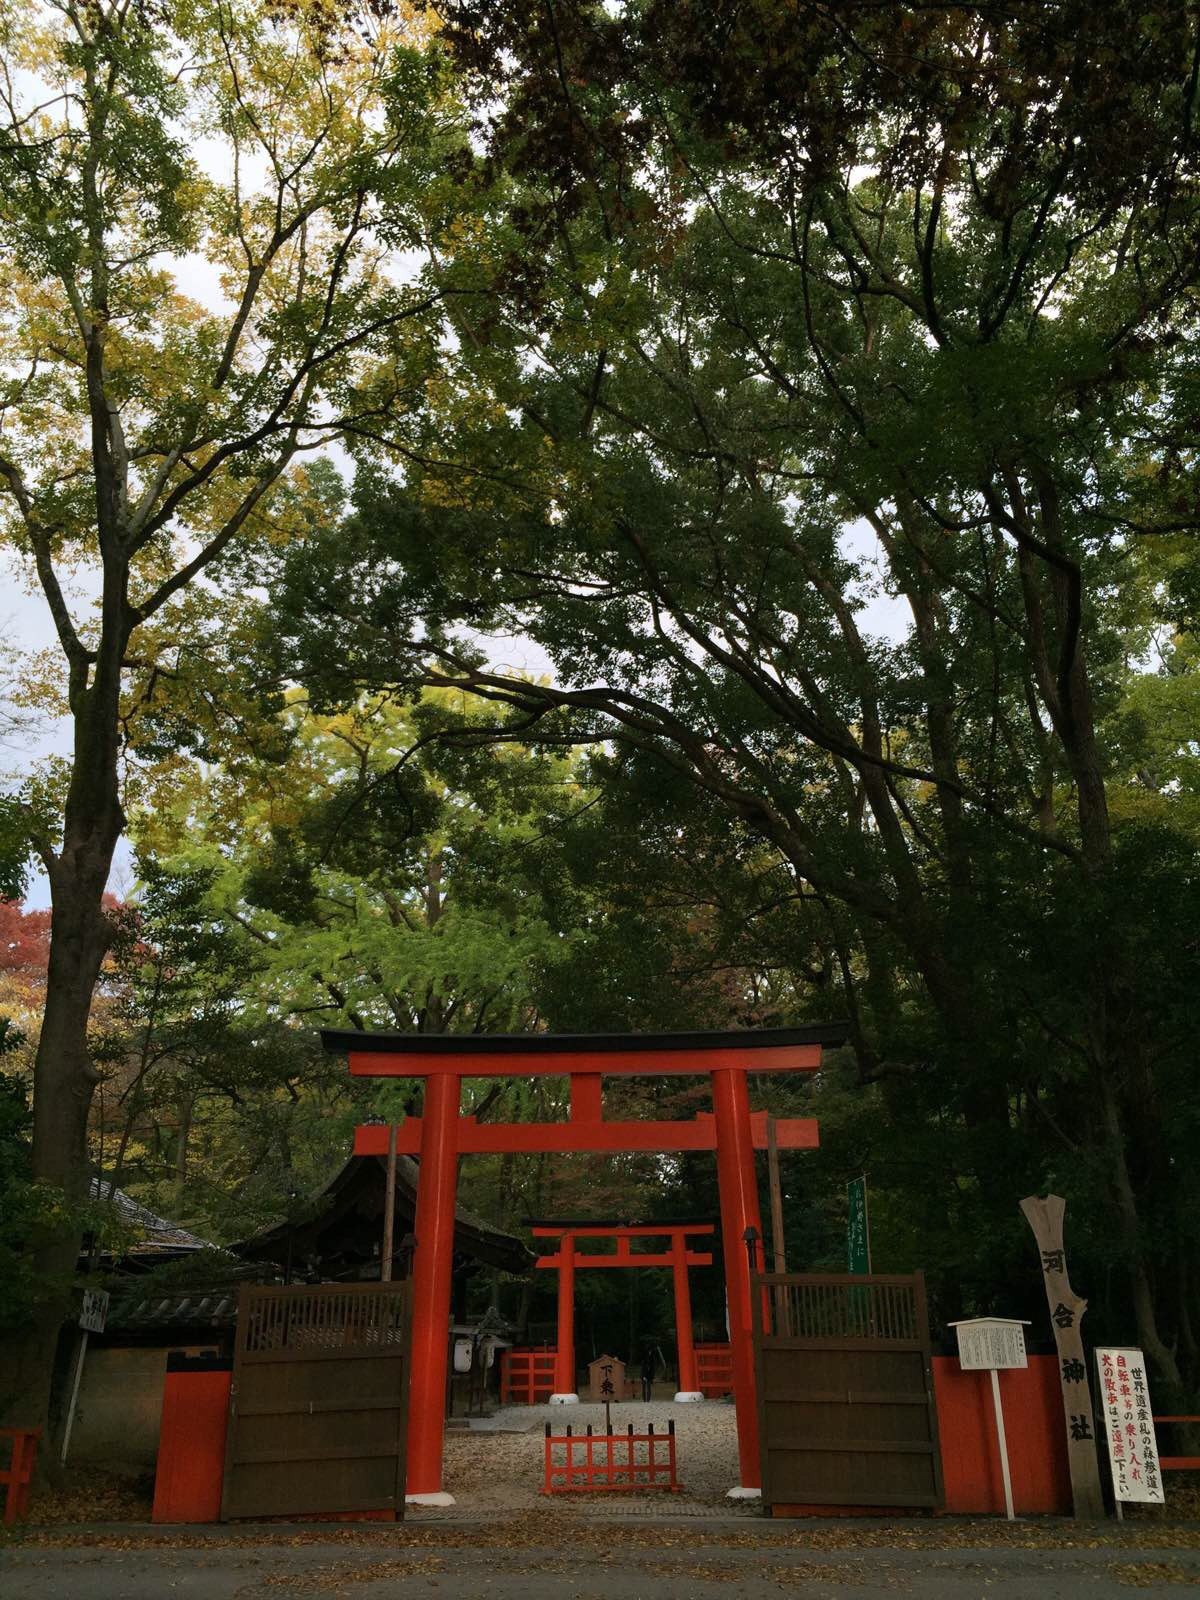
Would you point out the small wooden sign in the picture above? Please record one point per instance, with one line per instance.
(606, 1379)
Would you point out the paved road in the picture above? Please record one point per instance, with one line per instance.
(689, 1571)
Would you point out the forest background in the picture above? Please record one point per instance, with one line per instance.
(685, 343)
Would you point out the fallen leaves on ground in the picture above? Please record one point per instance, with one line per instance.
(1183, 1501)
(553, 1527)
(1149, 1574)
(338, 1577)
(85, 1498)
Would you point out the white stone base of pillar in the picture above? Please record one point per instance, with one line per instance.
(564, 1399)
(687, 1396)
(437, 1497)
(739, 1493)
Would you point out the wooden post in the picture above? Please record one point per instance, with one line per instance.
(73, 1403)
(1045, 1217)
(1002, 1442)
(778, 1248)
(389, 1210)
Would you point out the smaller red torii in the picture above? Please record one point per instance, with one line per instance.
(567, 1260)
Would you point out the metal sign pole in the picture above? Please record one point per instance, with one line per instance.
(93, 1315)
(1003, 1443)
(866, 1221)
(66, 1444)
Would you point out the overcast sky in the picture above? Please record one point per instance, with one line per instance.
(26, 623)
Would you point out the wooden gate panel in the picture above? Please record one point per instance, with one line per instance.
(845, 1384)
(317, 1415)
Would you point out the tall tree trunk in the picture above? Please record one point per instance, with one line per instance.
(65, 1079)
(1141, 1293)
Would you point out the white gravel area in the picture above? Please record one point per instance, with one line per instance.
(498, 1464)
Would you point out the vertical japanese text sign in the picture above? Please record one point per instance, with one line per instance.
(858, 1236)
(1045, 1217)
(1129, 1426)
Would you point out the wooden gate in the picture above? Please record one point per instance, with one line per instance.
(845, 1392)
(318, 1405)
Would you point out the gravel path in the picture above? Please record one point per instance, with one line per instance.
(498, 1464)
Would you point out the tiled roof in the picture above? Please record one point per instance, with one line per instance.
(154, 1233)
(192, 1309)
(368, 1174)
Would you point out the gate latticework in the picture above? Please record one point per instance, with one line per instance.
(318, 1404)
(845, 1392)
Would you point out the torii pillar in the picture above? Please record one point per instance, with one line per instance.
(740, 1212)
(685, 1344)
(432, 1272)
(564, 1361)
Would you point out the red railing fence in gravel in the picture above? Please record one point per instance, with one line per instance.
(583, 1462)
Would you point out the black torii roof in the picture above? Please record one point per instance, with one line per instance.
(469, 1044)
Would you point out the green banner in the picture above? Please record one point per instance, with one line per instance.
(858, 1235)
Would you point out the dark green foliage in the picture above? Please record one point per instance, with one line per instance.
(802, 315)
(23, 1208)
(15, 848)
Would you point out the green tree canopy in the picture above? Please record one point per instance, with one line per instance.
(911, 315)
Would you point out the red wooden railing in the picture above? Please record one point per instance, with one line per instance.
(1179, 1463)
(527, 1376)
(621, 1461)
(16, 1476)
(714, 1369)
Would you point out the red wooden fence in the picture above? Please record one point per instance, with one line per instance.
(714, 1368)
(621, 1461)
(191, 1443)
(1178, 1463)
(1033, 1424)
(16, 1476)
(527, 1376)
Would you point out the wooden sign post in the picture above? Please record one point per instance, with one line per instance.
(93, 1314)
(776, 1191)
(993, 1345)
(1045, 1217)
(389, 1212)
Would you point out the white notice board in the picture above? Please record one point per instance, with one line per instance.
(1129, 1426)
(990, 1343)
(94, 1312)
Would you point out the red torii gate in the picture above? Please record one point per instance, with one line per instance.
(440, 1136)
(678, 1257)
